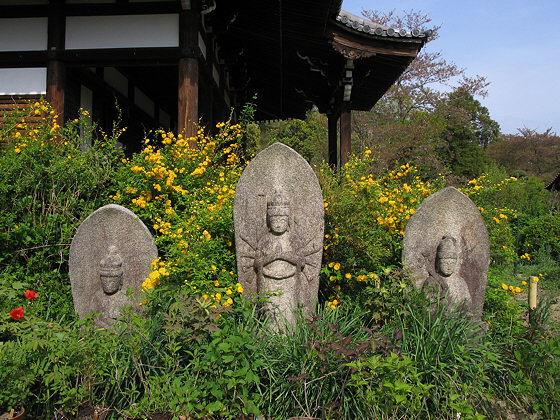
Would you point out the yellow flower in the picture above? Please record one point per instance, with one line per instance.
(206, 235)
(348, 275)
(504, 286)
(198, 171)
(524, 283)
(337, 266)
(518, 290)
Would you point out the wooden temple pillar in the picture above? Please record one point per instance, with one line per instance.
(333, 139)
(56, 70)
(187, 112)
(345, 133)
(346, 113)
(188, 97)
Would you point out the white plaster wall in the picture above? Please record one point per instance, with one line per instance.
(129, 31)
(23, 81)
(23, 34)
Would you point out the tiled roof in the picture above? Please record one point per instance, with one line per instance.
(555, 184)
(367, 27)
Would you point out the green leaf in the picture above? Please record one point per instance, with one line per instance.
(214, 406)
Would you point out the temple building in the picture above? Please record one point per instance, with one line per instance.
(176, 63)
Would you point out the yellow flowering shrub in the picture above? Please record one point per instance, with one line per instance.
(35, 123)
(184, 194)
(365, 217)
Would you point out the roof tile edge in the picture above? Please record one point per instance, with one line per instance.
(371, 28)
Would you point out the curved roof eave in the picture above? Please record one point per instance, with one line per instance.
(361, 26)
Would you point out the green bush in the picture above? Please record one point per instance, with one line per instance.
(48, 185)
(440, 338)
(542, 232)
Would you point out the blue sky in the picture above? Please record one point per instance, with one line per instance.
(514, 44)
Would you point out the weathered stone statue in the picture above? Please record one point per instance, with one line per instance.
(447, 249)
(111, 252)
(279, 225)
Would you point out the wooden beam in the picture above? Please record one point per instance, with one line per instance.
(345, 133)
(188, 96)
(333, 139)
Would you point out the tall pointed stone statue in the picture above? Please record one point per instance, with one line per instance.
(447, 249)
(279, 224)
(111, 252)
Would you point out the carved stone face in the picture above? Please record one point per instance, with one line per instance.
(278, 224)
(446, 266)
(111, 284)
(446, 256)
(111, 272)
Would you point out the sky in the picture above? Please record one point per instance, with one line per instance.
(515, 44)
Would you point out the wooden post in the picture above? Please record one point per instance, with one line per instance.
(333, 139)
(345, 133)
(187, 112)
(533, 283)
(56, 74)
(188, 96)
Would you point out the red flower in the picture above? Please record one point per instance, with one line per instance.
(31, 294)
(17, 313)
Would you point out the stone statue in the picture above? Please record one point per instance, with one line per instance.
(279, 224)
(110, 255)
(446, 248)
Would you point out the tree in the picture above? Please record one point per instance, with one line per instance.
(418, 120)
(307, 137)
(468, 130)
(485, 129)
(420, 85)
(528, 153)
